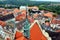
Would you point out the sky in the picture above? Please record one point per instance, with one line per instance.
(47, 0)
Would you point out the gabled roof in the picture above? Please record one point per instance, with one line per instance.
(36, 21)
(36, 32)
(49, 14)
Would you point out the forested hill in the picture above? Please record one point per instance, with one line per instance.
(25, 2)
(43, 5)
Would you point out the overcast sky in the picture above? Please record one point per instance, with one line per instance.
(47, 0)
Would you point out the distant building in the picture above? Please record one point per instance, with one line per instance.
(23, 7)
(35, 8)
